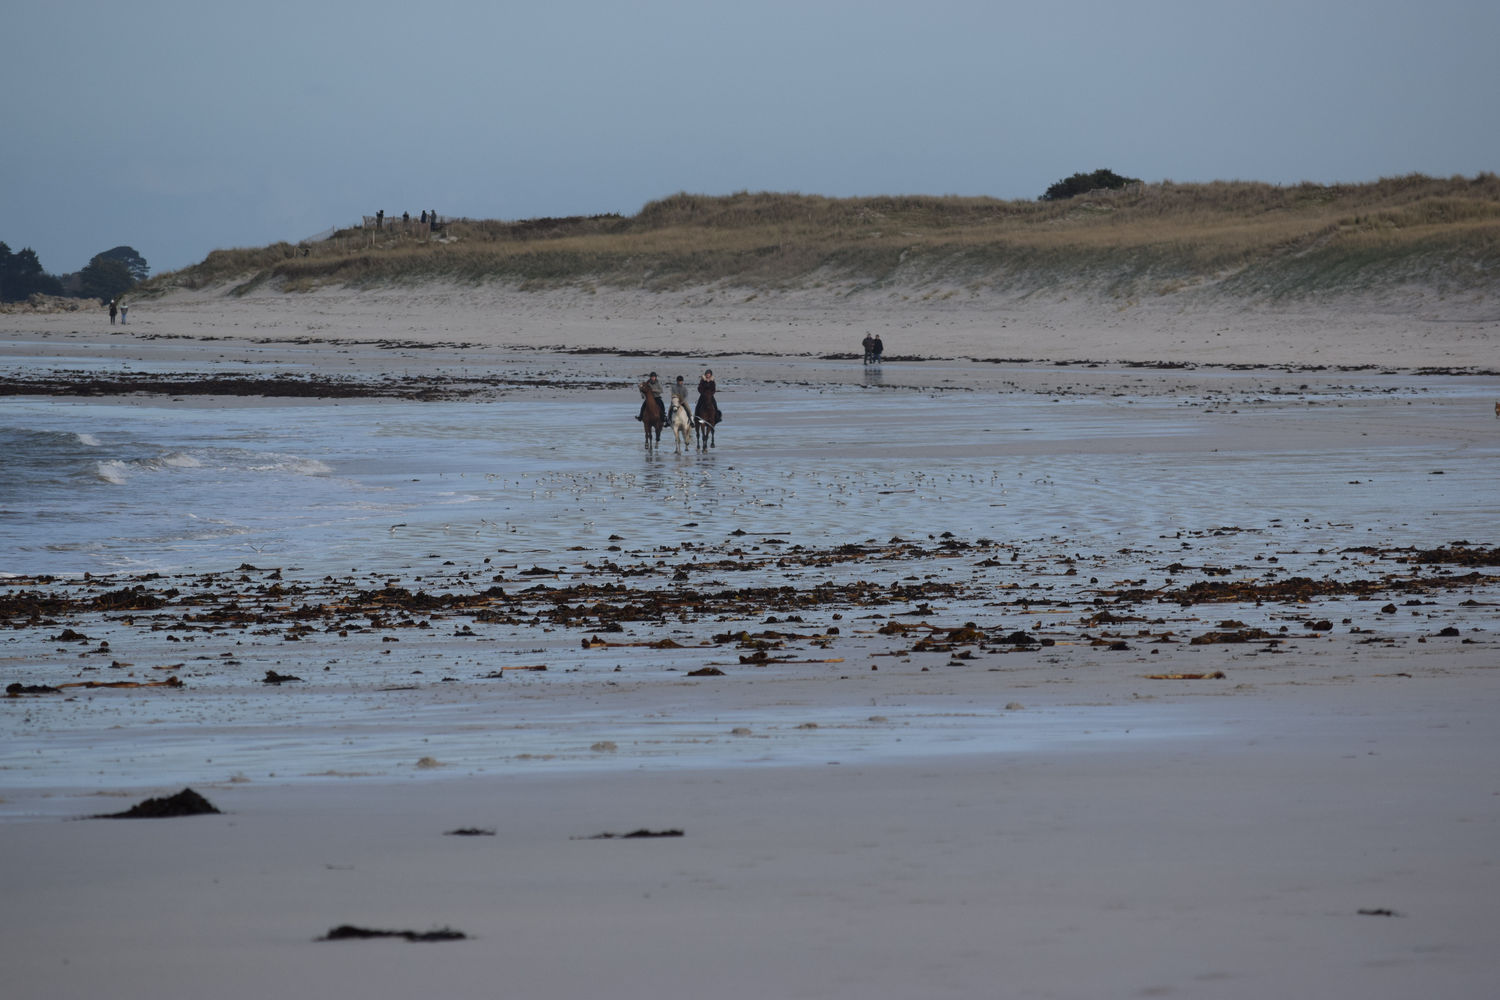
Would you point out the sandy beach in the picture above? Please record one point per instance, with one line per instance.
(1408, 328)
(1080, 651)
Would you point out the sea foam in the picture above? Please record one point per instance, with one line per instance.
(113, 471)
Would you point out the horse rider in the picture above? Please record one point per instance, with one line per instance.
(706, 402)
(652, 386)
(679, 393)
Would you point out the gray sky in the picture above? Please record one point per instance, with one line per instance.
(179, 126)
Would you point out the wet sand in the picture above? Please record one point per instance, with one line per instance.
(1101, 753)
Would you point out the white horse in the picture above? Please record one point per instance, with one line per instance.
(682, 425)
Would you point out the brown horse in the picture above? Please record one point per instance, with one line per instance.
(706, 419)
(651, 417)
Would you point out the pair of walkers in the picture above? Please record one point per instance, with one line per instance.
(707, 408)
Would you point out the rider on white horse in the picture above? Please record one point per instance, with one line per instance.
(681, 424)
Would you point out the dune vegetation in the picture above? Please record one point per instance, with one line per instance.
(1237, 238)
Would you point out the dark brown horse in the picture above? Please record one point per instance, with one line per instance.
(706, 415)
(651, 417)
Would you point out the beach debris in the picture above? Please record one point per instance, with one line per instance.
(185, 803)
(1234, 635)
(605, 746)
(1459, 554)
(888, 614)
(641, 834)
(348, 932)
(469, 831)
(500, 674)
(604, 606)
(1216, 675)
(1378, 912)
(594, 642)
(301, 385)
(427, 763)
(18, 689)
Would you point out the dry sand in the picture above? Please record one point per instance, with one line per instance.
(1409, 331)
(1324, 822)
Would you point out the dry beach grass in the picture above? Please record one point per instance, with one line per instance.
(1254, 240)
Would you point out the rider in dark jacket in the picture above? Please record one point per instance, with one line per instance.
(708, 406)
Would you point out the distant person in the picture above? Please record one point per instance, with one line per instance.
(708, 405)
(124, 310)
(406, 218)
(869, 345)
(380, 219)
(112, 310)
(879, 348)
(423, 219)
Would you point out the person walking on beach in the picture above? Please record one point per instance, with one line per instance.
(869, 345)
(124, 310)
(112, 309)
(879, 348)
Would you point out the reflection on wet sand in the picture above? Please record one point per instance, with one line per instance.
(404, 560)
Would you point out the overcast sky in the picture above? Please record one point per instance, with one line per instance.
(178, 126)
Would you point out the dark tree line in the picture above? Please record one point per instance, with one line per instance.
(21, 276)
(106, 277)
